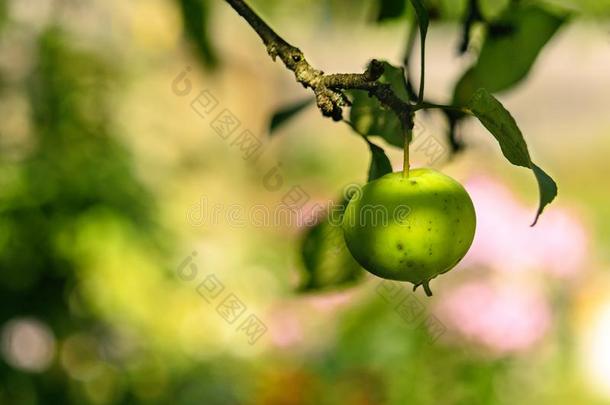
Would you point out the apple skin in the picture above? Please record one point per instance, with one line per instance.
(428, 228)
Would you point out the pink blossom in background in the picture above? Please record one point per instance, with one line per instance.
(504, 240)
(565, 243)
(330, 301)
(501, 318)
(288, 321)
(314, 211)
(285, 328)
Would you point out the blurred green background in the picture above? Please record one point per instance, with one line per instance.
(141, 260)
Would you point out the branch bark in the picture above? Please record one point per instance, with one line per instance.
(328, 88)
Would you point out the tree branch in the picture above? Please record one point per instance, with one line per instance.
(328, 89)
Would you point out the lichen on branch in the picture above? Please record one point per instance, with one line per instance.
(328, 88)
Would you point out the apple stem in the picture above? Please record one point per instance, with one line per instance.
(427, 288)
(406, 165)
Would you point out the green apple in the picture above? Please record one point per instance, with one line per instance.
(410, 228)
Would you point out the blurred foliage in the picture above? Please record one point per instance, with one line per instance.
(76, 167)
(436, 9)
(511, 47)
(3, 14)
(71, 204)
(196, 21)
(283, 115)
(328, 264)
(367, 115)
(380, 163)
(510, 26)
(389, 9)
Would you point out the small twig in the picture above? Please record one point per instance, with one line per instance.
(328, 88)
(406, 165)
(406, 62)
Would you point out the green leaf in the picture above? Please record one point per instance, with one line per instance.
(449, 10)
(492, 9)
(327, 262)
(503, 127)
(286, 113)
(423, 21)
(390, 9)
(380, 164)
(195, 17)
(548, 189)
(370, 118)
(510, 49)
